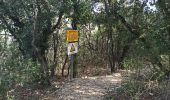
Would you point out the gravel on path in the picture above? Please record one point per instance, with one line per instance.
(88, 88)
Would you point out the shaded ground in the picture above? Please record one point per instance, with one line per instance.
(86, 88)
(91, 88)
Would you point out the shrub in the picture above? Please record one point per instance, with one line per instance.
(16, 70)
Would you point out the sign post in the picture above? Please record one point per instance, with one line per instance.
(72, 39)
(71, 68)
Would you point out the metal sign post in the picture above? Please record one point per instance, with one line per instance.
(72, 39)
(71, 67)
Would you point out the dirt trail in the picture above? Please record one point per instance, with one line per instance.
(89, 88)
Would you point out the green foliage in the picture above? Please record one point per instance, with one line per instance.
(131, 89)
(133, 63)
(124, 34)
(136, 88)
(15, 70)
(84, 12)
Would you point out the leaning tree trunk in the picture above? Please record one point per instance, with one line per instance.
(39, 43)
(111, 55)
(55, 51)
(45, 68)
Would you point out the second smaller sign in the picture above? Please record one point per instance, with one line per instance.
(72, 48)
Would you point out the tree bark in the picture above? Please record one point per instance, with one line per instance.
(55, 47)
(40, 52)
(64, 65)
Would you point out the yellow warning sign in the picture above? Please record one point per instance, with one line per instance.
(72, 35)
(72, 48)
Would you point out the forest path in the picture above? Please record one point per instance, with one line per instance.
(89, 88)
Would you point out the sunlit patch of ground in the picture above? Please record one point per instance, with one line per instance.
(87, 88)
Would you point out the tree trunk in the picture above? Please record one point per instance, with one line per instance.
(45, 79)
(55, 43)
(63, 67)
(38, 50)
(111, 56)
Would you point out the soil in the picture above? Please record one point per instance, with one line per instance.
(85, 88)
(88, 88)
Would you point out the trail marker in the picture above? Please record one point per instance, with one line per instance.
(72, 35)
(72, 48)
(72, 39)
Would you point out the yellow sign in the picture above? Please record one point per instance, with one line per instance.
(72, 35)
(72, 48)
